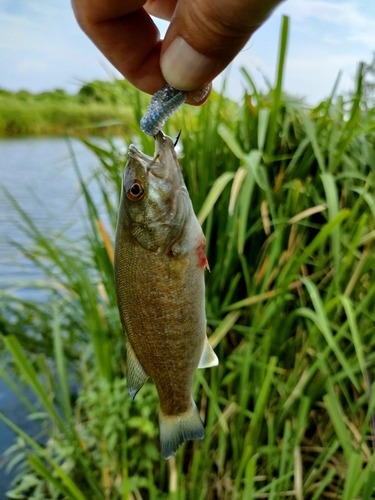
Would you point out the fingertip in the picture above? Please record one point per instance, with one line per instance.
(184, 68)
(199, 97)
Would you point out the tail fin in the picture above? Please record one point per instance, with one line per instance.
(176, 429)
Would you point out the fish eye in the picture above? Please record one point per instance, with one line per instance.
(136, 191)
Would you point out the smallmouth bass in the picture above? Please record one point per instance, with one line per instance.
(159, 276)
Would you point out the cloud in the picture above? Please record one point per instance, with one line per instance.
(353, 24)
(26, 65)
(318, 70)
(319, 48)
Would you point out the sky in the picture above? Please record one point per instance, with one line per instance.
(42, 48)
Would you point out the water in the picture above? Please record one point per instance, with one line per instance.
(39, 174)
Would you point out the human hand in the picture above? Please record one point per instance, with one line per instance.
(203, 37)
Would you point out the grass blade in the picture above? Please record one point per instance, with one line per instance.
(214, 194)
(272, 129)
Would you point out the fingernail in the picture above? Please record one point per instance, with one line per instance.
(200, 96)
(183, 67)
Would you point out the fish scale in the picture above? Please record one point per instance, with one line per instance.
(155, 323)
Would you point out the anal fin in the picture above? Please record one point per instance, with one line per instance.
(208, 358)
(135, 374)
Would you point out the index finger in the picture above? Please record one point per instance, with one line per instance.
(127, 36)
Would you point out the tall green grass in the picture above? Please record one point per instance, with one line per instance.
(285, 194)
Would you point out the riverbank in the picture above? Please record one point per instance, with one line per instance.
(107, 106)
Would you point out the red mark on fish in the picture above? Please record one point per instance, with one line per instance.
(201, 252)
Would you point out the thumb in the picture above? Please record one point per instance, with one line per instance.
(205, 36)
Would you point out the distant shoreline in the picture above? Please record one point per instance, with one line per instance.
(97, 106)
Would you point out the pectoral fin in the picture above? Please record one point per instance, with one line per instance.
(135, 374)
(208, 358)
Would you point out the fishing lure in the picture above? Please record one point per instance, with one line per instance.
(162, 106)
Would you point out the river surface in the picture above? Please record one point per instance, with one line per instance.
(39, 174)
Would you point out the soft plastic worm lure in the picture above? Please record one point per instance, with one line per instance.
(162, 105)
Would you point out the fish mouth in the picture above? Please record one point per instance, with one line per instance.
(161, 143)
(164, 162)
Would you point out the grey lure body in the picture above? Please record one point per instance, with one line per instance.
(159, 275)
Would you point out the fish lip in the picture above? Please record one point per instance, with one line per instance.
(137, 156)
(160, 141)
(164, 157)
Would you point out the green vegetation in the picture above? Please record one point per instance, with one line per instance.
(286, 198)
(103, 105)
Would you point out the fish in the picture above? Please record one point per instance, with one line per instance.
(159, 266)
